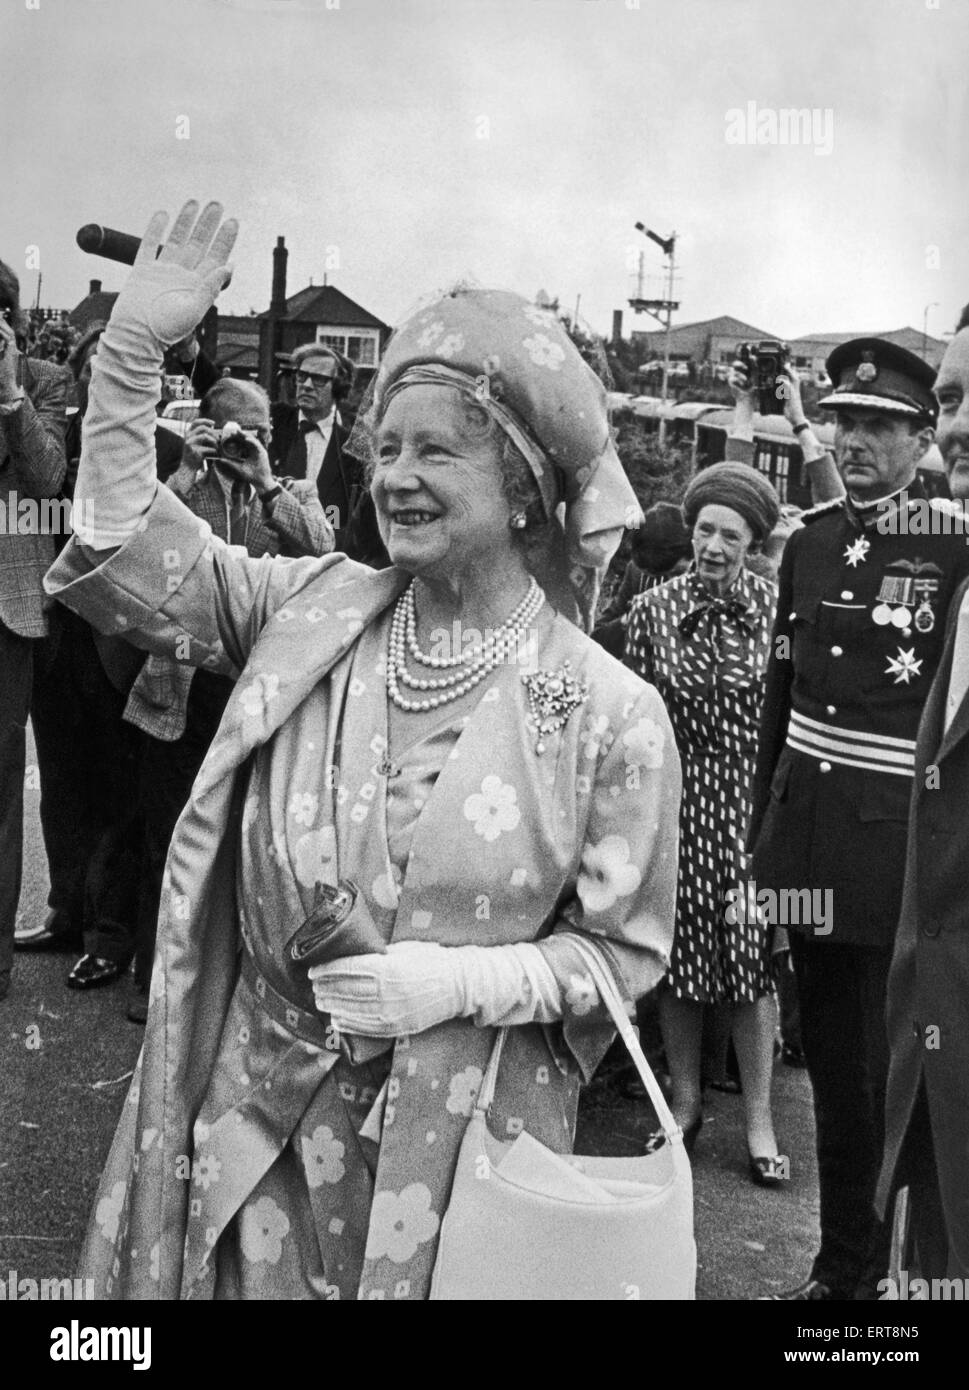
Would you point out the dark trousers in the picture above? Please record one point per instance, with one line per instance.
(927, 1252)
(168, 771)
(88, 762)
(789, 1007)
(842, 990)
(16, 664)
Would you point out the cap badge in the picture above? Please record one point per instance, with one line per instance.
(866, 371)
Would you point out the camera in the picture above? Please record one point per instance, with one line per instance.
(765, 363)
(234, 443)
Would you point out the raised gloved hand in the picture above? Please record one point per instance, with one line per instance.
(161, 302)
(417, 985)
(172, 294)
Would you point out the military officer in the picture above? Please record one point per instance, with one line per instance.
(861, 620)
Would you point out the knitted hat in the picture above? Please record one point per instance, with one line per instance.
(738, 486)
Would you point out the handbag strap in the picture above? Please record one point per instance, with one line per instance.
(610, 996)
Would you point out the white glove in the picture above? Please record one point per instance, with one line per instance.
(418, 985)
(162, 301)
(172, 294)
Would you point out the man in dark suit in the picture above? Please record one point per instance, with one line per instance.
(33, 401)
(309, 437)
(863, 597)
(927, 1106)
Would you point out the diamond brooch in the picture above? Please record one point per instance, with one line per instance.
(552, 696)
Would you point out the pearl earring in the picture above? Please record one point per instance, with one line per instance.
(518, 521)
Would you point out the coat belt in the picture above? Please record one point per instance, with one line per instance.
(851, 747)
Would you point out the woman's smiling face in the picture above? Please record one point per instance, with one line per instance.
(437, 485)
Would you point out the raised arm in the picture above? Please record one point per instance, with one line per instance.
(822, 472)
(141, 563)
(161, 302)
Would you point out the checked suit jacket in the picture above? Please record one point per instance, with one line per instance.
(32, 465)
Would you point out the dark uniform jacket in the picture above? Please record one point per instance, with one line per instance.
(860, 621)
(928, 990)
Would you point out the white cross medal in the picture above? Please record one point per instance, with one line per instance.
(857, 552)
(904, 666)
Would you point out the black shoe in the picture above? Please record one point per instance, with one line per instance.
(793, 1056)
(769, 1172)
(55, 933)
(657, 1139)
(138, 1004)
(811, 1291)
(91, 972)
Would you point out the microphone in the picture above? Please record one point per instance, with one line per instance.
(105, 241)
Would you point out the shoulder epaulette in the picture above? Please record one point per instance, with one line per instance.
(822, 509)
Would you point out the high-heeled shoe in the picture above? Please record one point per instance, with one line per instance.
(769, 1172)
(657, 1139)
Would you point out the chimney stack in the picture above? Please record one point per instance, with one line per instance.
(617, 325)
(277, 304)
(95, 287)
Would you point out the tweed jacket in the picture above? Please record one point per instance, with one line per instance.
(32, 466)
(296, 526)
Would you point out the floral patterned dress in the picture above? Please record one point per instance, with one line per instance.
(708, 659)
(259, 1154)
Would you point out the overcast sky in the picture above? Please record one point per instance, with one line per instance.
(514, 141)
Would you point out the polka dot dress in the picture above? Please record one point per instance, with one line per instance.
(708, 659)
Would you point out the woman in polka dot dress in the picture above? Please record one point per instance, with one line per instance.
(703, 639)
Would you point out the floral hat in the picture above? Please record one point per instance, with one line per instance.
(518, 363)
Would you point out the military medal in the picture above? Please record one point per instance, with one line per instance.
(857, 552)
(925, 591)
(896, 599)
(924, 617)
(904, 666)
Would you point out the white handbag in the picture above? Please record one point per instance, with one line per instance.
(524, 1223)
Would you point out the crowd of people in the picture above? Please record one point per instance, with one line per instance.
(343, 855)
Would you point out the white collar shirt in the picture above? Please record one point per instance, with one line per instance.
(317, 443)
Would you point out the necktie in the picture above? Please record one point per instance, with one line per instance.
(307, 426)
(959, 675)
(237, 515)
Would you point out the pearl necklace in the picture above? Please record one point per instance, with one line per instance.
(474, 665)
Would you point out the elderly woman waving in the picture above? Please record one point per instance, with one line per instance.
(438, 747)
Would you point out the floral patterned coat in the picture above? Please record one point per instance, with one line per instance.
(580, 838)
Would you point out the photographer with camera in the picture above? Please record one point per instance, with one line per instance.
(225, 479)
(762, 375)
(33, 400)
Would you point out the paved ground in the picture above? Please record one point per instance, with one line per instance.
(65, 1059)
